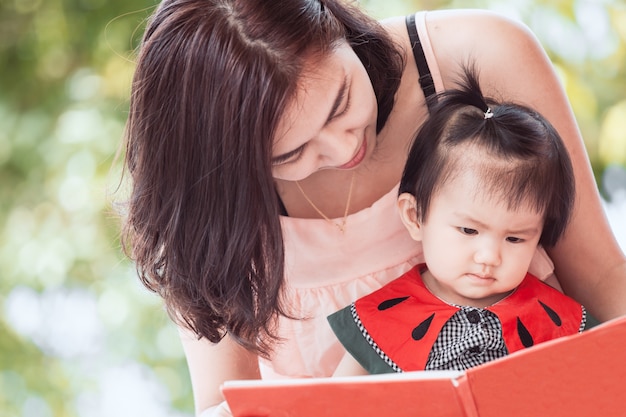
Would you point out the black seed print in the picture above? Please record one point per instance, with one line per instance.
(552, 314)
(390, 303)
(421, 330)
(524, 334)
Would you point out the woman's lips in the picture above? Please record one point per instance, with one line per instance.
(358, 157)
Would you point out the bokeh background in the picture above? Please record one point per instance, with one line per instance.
(79, 336)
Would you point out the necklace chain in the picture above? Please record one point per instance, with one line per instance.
(341, 226)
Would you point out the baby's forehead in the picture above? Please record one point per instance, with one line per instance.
(483, 155)
(475, 161)
(491, 178)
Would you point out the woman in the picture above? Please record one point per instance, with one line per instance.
(266, 142)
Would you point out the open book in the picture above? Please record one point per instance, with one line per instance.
(583, 375)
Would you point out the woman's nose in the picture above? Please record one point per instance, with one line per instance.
(337, 146)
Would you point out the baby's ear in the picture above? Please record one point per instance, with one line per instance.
(407, 207)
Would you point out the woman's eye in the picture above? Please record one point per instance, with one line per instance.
(345, 109)
(289, 157)
(468, 231)
(344, 97)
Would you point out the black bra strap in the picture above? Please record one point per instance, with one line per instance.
(426, 79)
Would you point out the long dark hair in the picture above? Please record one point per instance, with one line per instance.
(212, 79)
(541, 172)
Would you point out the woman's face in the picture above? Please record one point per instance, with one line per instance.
(331, 122)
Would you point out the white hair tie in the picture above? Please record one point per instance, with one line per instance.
(488, 113)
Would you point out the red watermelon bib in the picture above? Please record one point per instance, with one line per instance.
(404, 318)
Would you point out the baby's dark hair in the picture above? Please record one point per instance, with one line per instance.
(521, 157)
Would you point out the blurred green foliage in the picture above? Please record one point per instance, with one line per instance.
(78, 335)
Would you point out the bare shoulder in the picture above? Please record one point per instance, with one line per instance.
(500, 47)
(479, 20)
(466, 29)
(396, 27)
(510, 60)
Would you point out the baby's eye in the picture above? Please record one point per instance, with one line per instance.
(514, 239)
(468, 231)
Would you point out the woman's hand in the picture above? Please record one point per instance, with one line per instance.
(220, 410)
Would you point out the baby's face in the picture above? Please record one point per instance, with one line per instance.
(477, 249)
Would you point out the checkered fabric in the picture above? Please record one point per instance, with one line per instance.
(471, 337)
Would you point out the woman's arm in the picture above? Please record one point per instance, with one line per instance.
(349, 367)
(212, 364)
(588, 261)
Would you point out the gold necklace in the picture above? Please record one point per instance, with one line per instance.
(341, 226)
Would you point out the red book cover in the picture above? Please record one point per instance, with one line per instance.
(397, 395)
(574, 376)
(580, 375)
